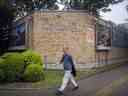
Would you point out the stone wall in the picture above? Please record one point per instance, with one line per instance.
(54, 30)
(113, 56)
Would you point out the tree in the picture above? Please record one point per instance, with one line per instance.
(25, 7)
(122, 35)
(127, 12)
(93, 5)
(6, 17)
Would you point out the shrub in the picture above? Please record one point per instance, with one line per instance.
(33, 72)
(2, 63)
(10, 76)
(2, 75)
(32, 57)
(8, 71)
(13, 58)
(6, 55)
(13, 66)
(17, 66)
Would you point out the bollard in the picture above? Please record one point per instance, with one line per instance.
(45, 62)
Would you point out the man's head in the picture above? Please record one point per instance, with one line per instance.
(66, 49)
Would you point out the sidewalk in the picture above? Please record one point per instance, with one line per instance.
(121, 90)
(90, 86)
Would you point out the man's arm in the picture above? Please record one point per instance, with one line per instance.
(71, 60)
(73, 66)
(62, 59)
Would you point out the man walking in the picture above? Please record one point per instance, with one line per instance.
(69, 71)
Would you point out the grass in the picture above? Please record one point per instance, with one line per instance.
(54, 77)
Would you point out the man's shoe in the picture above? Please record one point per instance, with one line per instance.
(75, 88)
(59, 93)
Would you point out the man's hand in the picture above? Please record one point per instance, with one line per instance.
(58, 63)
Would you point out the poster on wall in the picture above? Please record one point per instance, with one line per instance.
(18, 37)
(103, 36)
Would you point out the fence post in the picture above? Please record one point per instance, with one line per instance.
(45, 62)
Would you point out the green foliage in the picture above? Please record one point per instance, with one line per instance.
(4, 2)
(93, 5)
(10, 75)
(2, 75)
(15, 59)
(33, 72)
(8, 71)
(28, 6)
(32, 57)
(1, 63)
(13, 66)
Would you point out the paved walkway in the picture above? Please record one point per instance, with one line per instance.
(106, 82)
(121, 90)
(91, 86)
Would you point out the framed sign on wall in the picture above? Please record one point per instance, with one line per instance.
(103, 35)
(17, 36)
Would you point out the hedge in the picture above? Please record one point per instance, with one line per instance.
(14, 65)
(33, 73)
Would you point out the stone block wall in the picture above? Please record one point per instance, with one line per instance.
(54, 30)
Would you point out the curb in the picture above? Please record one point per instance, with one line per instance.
(51, 88)
(20, 89)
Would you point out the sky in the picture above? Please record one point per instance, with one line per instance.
(118, 14)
